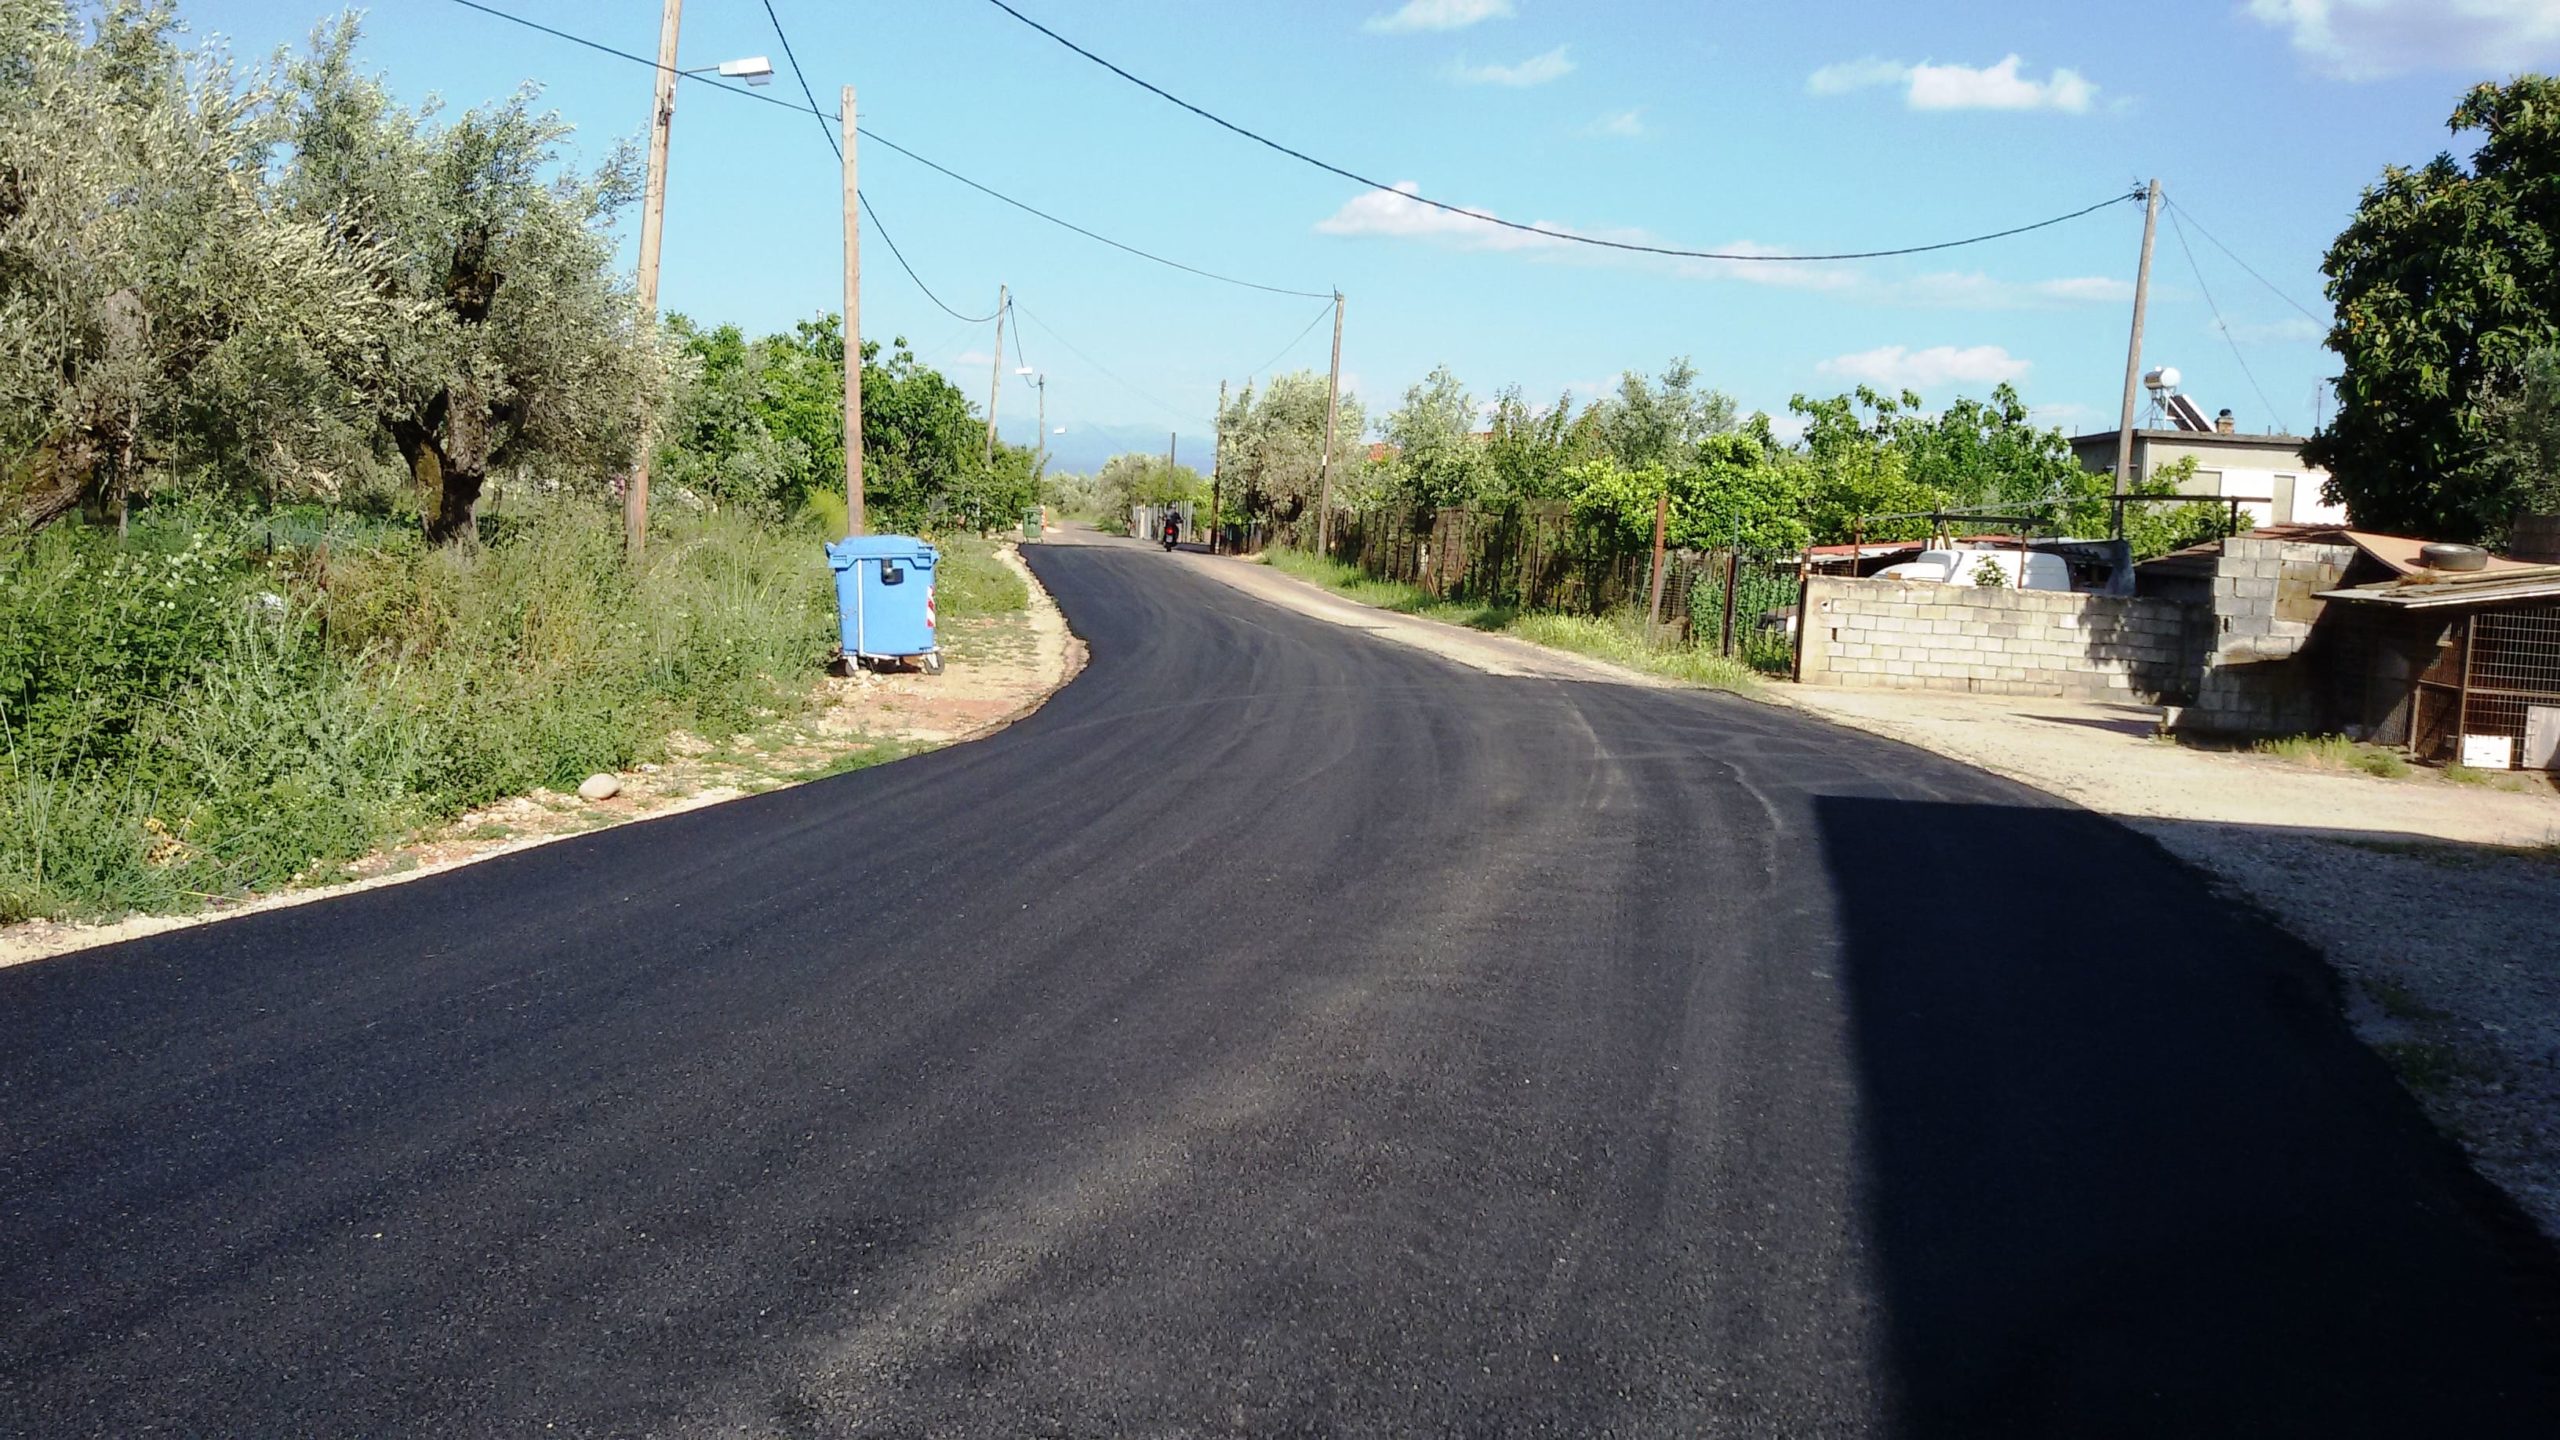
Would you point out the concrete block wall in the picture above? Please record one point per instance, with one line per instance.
(2255, 678)
(1912, 635)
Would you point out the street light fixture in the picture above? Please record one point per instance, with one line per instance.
(755, 70)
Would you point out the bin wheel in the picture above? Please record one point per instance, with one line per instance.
(932, 663)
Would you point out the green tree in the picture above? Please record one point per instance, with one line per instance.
(1273, 439)
(156, 309)
(1529, 452)
(1437, 460)
(1127, 479)
(2447, 278)
(518, 343)
(1657, 422)
(2520, 416)
(1731, 492)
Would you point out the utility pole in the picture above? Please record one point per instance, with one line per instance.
(653, 222)
(1653, 604)
(853, 517)
(995, 377)
(1217, 467)
(2133, 352)
(1041, 384)
(1332, 401)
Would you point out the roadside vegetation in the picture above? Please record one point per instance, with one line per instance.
(315, 414)
(1616, 638)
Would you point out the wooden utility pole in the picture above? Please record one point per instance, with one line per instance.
(653, 222)
(995, 379)
(1332, 402)
(1217, 467)
(1653, 606)
(2133, 352)
(1041, 384)
(853, 517)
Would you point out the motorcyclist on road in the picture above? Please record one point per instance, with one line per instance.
(1172, 529)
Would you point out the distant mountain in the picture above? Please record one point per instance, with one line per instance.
(1086, 445)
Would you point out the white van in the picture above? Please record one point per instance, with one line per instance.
(1965, 567)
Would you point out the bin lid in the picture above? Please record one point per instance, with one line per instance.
(842, 554)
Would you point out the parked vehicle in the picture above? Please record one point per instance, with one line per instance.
(1967, 567)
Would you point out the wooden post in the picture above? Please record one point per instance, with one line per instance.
(995, 377)
(1217, 466)
(2133, 352)
(1332, 401)
(1653, 607)
(854, 519)
(653, 224)
(1732, 579)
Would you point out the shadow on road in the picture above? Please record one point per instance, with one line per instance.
(2123, 1158)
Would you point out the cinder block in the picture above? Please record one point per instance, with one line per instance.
(1897, 667)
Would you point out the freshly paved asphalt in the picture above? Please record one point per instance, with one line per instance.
(1282, 1031)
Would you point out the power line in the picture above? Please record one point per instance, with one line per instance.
(798, 74)
(1170, 412)
(793, 57)
(812, 109)
(1359, 179)
(2245, 265)
(2219, 323)
(1088, 234)
(896, 254)
(1017, 339)
(1293, 344)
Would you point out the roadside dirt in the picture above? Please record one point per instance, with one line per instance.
(996, 671)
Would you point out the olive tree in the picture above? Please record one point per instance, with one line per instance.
(155, 308)
(517, 344)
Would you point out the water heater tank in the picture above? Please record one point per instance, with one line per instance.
(2161, 377)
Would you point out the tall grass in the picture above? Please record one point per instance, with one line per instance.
(1616, 638)
(202, 712)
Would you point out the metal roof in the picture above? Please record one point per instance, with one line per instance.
(2436, 590)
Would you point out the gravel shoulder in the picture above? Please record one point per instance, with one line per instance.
(998, 670)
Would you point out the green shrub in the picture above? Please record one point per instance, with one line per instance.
(194, 714)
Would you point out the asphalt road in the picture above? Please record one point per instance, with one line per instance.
(1283, 1031)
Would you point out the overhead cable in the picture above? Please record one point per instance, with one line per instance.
(1293, 344)
(836, 145)
(2219, 323)
(812, 109)
(1562, 235)
(1170, 412)
(2178, 209)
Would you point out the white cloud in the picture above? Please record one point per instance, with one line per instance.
(1624, 124)
(1437, 15)
(2066, 415)
(1901, 368)
(1973, 290)
(1851, 75)
(2365, 39)
(970, 359)
(1959, 87)
(1536, 70)
(1999, 87)
(1394, 214)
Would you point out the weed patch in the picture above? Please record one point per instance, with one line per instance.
(211, 708)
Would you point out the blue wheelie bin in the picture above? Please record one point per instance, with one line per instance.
(884, 599)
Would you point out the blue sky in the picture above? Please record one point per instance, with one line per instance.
(1818, 126)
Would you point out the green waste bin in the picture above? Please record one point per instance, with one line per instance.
(1031, 524)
